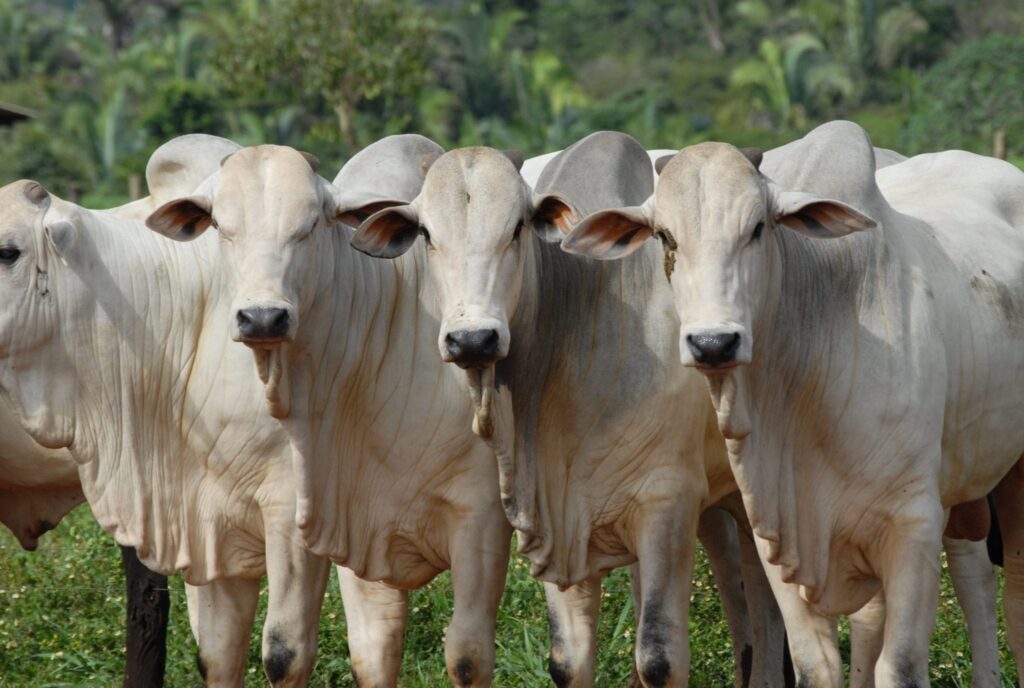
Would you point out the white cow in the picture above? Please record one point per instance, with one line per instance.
(391, 482)
(607, 451)
(114, 346)
(862, 383)
(39, 486)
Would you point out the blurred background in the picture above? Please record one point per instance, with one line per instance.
(107, 81)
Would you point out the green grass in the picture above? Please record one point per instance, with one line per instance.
(62, 611)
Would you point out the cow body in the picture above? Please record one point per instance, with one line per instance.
(571, 367)
(391, 482)
(110, 351)
(863, 384)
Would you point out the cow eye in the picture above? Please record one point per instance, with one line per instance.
(9, 255)
(757, 231)
(426, 235)
(518, 231)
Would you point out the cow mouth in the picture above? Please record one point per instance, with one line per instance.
(719, 369)
(481, 391)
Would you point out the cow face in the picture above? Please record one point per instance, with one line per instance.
(268, 204)
(36, 372)
(475, 214)
(716, 217)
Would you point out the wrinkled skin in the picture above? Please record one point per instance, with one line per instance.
(391, 483)
(844, 371)
(114, 348)
(591, 483)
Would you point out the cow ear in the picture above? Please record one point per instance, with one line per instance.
(660, 163)
(516, 157)
(388, 233)
(182, 219)
(610, 234)
(820, 218)
(61, 236)
(552, 218)
(355, 215)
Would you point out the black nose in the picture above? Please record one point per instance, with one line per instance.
(714, 349)
(262, 324)
(472, 348)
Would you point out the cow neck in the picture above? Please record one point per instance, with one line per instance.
(372, 403)
(803, 346)
(576, 337)
(132, 343)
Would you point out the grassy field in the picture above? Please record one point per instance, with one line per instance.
(62, 610)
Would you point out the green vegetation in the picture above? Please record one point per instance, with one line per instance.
(115, 78)
(62, 610)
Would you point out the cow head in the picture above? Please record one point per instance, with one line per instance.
(717, 218)
(36, 372)
(475, 214)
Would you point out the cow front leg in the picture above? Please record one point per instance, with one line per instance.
(767, 627)
(376, 616)
(974, 580)
(717, 532)
(1009, 501)
(812, 639)
(221, 613)
(867, 631)
(146, 628)
(572, 627)
(479, 565)
(666, 541)
(297, 580)
(908, 560)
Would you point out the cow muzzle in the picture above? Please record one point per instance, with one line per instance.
(264, 324)
(474, 345)
(715, 348)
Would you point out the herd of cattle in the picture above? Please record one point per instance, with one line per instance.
(811, 359)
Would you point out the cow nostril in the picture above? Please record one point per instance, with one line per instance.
(452, 344)
(243, 319)
(489, 346)
(278, 321)
(714, 349)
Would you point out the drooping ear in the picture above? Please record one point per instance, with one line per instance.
(553, 216)
(516, 157)
(314, 162)
(355, 215)
(820, 218)
(61, 235)
(388, 233)
(182, 219)
(610, 234)
(660, 163)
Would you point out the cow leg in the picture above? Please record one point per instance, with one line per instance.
(479, 566)
(222, 613)
(376, 615)
(666, 544)
(717, 532)
(146, 627)
(974, 580)
(813, 643)
(1009, 500)
(768, 630)
(297, 580)
(908, 561)
(572, 626)
(867, 630)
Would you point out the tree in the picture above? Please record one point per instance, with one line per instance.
(975, 93)
(347, 53)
